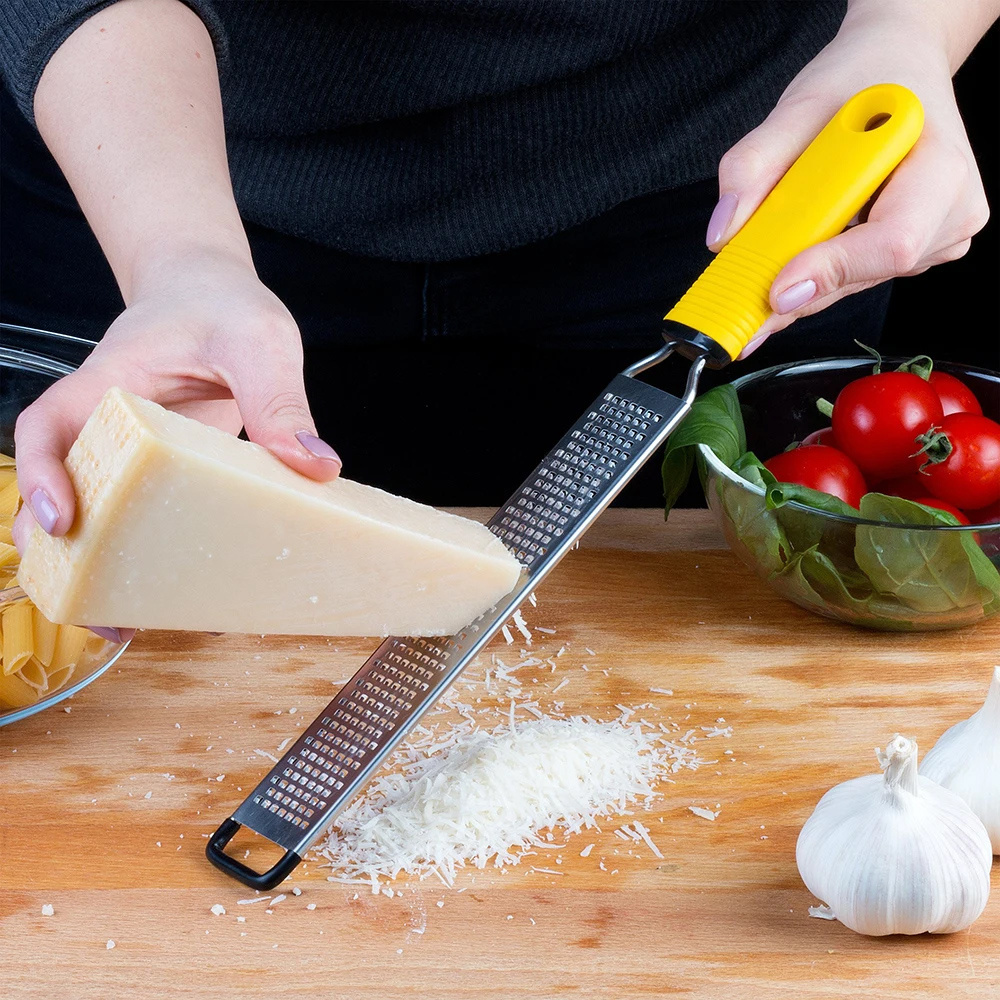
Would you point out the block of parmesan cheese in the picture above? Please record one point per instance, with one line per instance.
(183, 526)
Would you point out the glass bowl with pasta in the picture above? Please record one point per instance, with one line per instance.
(41, 663)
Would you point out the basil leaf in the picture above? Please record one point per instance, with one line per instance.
(749, 467)
(929, 571)
(749, 526)
(812, 580)
(781, 493)
(715, 420)
(805, 530)
(987, 573)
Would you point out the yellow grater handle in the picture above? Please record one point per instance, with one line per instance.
(821, 192)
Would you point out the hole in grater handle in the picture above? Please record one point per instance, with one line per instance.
(215, 852)
(877, 121)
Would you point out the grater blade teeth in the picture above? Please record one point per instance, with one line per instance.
(344, 746)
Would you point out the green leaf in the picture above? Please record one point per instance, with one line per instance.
(715, 420)
(750, 527)
(987, 574)
(781, 493)
(929, 571)
(812, 580)
(749, 467)
(805, 529)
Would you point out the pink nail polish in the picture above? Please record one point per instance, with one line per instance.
(754, 344)
(722, 215)
(796, 296)
(105, 632)
(45, 511)
(317, 446)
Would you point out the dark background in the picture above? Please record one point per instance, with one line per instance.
(479, 417)
(463, 423)
(953, 311)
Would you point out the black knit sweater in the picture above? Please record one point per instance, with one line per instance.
(440, 129)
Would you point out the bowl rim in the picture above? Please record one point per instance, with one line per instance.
(719, 467)
(821, 364)
(29, 358)
(10, 715)
(27, 354)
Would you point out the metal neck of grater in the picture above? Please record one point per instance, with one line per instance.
(344, 746)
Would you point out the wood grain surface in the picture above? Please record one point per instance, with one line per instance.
(105, 810)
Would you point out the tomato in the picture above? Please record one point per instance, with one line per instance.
(908, 487)
(990, 514)
(877, 419)
(823, 436)
(955, 395)
(970, 476)
(820, 467)
(945, 506)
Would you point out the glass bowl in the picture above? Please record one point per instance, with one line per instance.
(885, 576)
(30, 361)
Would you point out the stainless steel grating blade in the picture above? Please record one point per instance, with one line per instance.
(342, 748)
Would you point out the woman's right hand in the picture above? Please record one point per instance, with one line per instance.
(202, 336)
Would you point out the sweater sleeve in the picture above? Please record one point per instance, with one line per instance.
(32, 30)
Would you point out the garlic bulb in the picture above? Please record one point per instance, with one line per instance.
(967, 760)
(896, 854)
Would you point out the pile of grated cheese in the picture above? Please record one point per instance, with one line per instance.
(487, 796)
(471, 793)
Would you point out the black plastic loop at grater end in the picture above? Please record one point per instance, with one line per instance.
(214, 851)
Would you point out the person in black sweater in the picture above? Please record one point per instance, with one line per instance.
(466, 213)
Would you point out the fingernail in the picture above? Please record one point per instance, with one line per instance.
(796, 296)
(722, 215)
(757, 341)
(118, 635)
(317, 446)
(45, 511)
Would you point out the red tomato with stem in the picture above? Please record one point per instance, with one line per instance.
(823, 436)
(955, 395)
(822, 468)
(877, 419)
(945, 506)
(967, 475)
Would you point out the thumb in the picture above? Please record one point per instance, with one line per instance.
(275, 411)
(749, 170)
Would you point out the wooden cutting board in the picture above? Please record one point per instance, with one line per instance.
(105, 810)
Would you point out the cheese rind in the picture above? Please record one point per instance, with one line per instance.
(183, 526)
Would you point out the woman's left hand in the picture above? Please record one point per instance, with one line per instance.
(932, 205)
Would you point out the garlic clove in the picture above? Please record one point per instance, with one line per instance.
(896, 853)
(966, 760)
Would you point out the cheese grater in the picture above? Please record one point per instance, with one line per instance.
(347, 742)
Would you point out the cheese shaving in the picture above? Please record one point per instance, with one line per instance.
(703, 813)
(489, 795)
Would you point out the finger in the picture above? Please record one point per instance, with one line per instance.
(42, 437)
(24, 525)
(221, 413)
(749, 170)
(756, 342)
(118, 635)
(910, 227)
(777, 322)
(272, 402)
